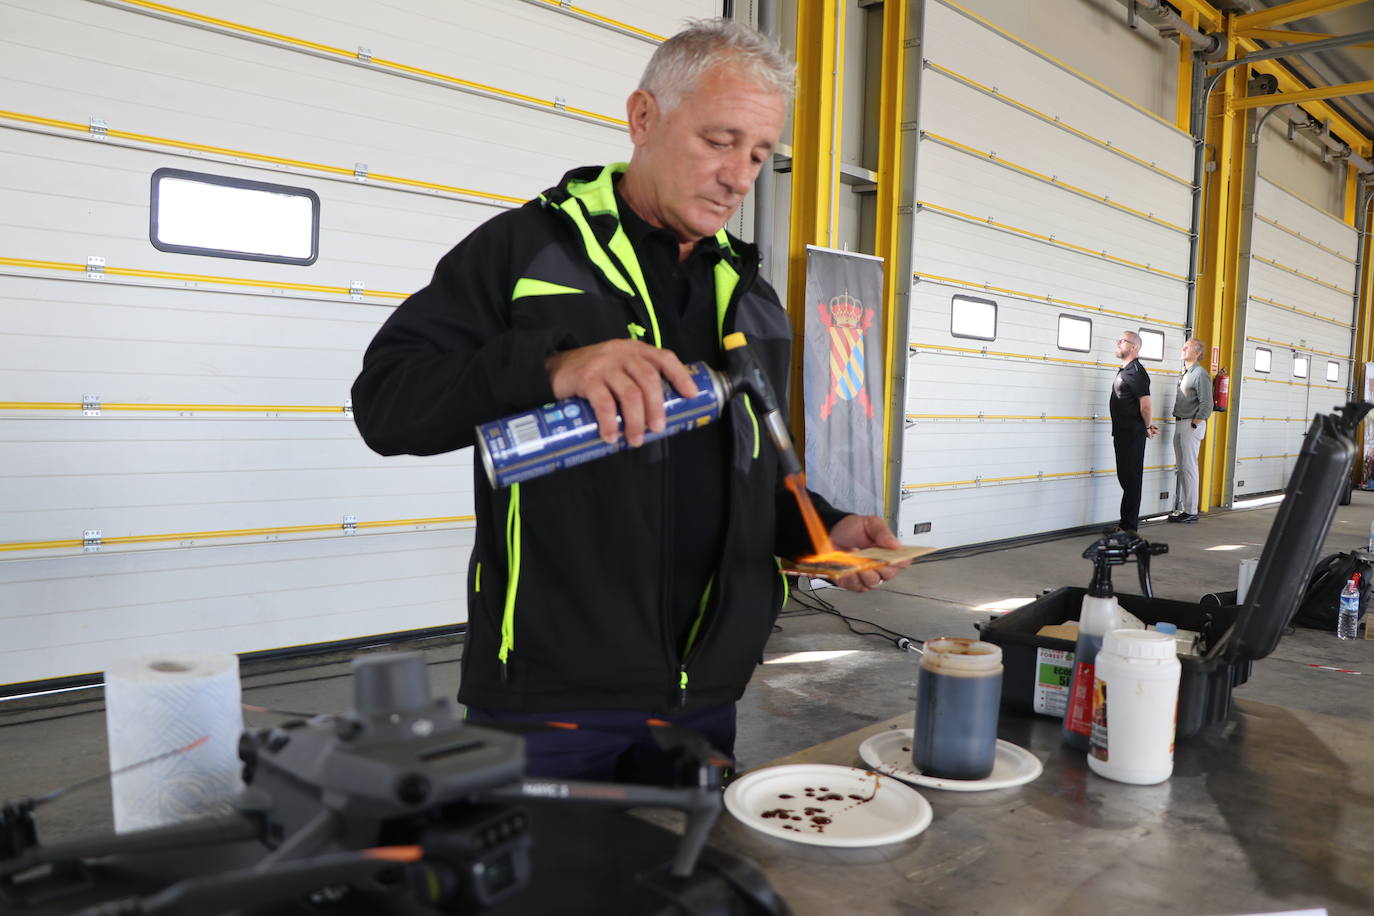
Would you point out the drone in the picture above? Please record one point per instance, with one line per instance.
(399, 803)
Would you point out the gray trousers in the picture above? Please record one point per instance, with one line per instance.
(1186, 443)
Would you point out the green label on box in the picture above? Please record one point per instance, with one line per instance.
(1053, 673)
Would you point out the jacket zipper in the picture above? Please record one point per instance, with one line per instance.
(742, 285)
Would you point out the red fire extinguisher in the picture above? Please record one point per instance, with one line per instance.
(1221, 391)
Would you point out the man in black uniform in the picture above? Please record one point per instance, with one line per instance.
(1131, 426)
(642, 586)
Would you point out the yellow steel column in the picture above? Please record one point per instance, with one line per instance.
(1364, 329)
(887, 234)
(1364, 319)
(815, 162)
(1215, 316)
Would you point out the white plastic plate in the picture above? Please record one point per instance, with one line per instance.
(890, 752)
(828, 805)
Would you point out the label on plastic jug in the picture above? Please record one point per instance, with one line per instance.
(1099, 746)
(1053, 672)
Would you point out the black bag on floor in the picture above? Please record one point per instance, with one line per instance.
(1320, 604)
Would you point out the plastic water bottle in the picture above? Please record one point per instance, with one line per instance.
(1371, 537)
(1349, 620)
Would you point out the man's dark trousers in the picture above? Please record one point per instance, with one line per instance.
(1130, 470)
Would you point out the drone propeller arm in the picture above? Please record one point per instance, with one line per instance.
(699, 823)
(208, 832)
(314, 836)
(250, 887)
(701, 804)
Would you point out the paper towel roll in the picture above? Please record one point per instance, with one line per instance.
(157, 704)
(1244, 576)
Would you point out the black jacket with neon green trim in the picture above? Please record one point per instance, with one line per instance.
(570, 579)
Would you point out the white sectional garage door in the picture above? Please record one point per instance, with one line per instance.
(178, 466)
(1050, 216)
(1299, 313)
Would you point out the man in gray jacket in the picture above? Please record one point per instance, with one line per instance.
(1192, 407)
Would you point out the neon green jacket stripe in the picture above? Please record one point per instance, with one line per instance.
(527, 286)
(512, 572)
(696, 624)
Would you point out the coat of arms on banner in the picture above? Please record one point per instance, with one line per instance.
(846, 319)
(842, 362)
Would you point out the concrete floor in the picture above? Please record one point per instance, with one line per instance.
(797, 699)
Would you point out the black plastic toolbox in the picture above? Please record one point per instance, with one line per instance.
(1233, 637)
(1204, 690)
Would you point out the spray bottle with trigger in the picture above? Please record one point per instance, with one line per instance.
(1100, 614)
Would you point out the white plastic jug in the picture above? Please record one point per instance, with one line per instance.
(1135, 703)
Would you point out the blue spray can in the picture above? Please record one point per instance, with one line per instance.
(564, 434)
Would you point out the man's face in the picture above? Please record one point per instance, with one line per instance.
(695, 164)
(1124, 348)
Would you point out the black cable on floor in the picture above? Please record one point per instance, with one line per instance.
(893, 591)
(821, 606)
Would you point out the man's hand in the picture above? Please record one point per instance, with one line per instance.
(855, 532)
(1151, 431)
(622, 377)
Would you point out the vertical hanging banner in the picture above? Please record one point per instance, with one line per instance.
(842, 384)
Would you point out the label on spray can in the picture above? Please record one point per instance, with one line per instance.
(564, 434)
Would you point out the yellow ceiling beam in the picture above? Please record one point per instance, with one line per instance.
(1287, 12)
(1209, 18)
(1304, 95)
(1352, 193)
(1284, 35)
(1183, 102)
(1316, 108)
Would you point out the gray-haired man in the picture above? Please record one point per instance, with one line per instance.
(640, 587)
(1192, 407)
